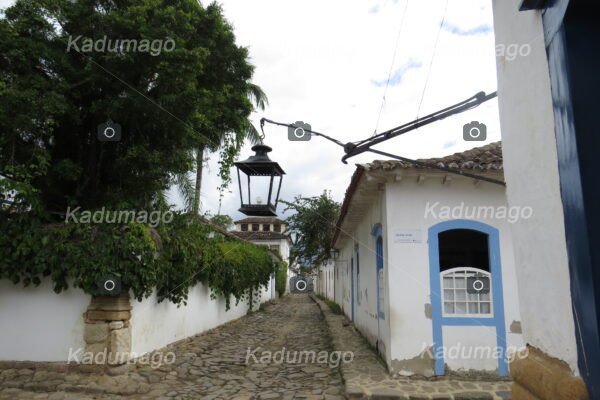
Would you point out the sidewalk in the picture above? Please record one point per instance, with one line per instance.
(367, 377)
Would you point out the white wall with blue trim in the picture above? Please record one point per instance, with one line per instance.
(404, 332)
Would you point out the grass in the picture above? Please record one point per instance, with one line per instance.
(333, 306)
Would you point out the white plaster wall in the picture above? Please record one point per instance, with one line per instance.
(531, 171)
(154, 325)
(475, 354)
(329, 275)
(365, 311)
(324, 280)
(36, 324)
(407, 264)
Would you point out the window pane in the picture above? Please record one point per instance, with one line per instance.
(485, 296)
(461, 283)
(449, 308)
(461, 308)
(473, 309)
(485, 308)
(472, 297)
(448, 294)
(461, 295)
(448, 282)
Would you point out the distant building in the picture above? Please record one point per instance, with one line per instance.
(266, 231)
(412, 241)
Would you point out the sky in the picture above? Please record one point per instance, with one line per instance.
(351, 68)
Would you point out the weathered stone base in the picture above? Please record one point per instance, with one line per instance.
(541, 377)
(107, 334)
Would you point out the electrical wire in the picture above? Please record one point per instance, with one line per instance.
(351, 149)
(387, 82)
(437, 38)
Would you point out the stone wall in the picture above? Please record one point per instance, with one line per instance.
(107, 333)
(541, 377)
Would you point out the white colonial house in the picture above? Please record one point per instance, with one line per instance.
(425, 268)
(270, 232)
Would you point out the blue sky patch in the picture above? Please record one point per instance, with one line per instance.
(482, 29)
(396, 77)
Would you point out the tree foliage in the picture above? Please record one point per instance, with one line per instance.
(313, 226)
(167, 104)
(224, 221)
(171, 258)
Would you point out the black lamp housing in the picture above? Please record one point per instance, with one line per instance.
(260, 165)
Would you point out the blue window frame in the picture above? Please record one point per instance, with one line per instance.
(380, 277)
(377, 232)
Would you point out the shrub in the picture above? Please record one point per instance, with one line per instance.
(171, 258)
(281, 278)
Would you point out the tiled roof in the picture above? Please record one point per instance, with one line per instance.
(260, 220)
(478, 159)
(488, 157)
(260, 235)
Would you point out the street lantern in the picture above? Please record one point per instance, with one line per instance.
(264, 173)
(334, 253)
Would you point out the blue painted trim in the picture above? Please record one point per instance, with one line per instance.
(437, 320)
(378, 268)
(377, 230)
(571, 35)
(352, 286)
(357, 255)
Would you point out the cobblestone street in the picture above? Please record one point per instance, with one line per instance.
(209, 366)
(217, 365)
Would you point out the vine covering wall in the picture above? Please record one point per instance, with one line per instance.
(172, 257)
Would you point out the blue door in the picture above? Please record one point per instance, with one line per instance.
(452, 311)
(379, 277)
(352, 286)
(571, 34)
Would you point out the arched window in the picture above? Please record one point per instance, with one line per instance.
(465, 273)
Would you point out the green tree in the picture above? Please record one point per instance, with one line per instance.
(167, 104)
(230, 144)
(224, 221)
(312, 226)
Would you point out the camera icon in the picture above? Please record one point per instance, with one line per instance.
(109, 132)
(108, 285)
(299, 132)
(299, 284)
(478, 284)
(474, 132)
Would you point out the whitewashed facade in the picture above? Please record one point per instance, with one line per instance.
(394, 237)
(270, 232)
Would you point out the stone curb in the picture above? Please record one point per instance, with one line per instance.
(354, 390)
